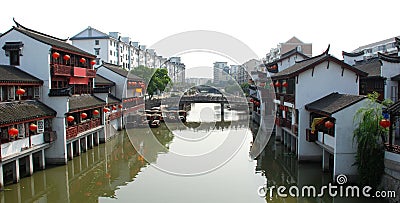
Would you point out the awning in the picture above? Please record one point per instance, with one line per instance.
(78, 81)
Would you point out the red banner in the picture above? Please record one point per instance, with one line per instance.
(80, 72)
(78, 81)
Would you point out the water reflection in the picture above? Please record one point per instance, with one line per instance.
(97, 173)
(116, 172)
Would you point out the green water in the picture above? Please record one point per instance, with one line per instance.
(116, 172)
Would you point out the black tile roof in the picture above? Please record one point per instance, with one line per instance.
(47, 39)
(120, 71)
(11, 74)
(309, 63)
(78, 102)
(113, 100)
(371, 66)
(103, 81)
(333, 103)
(17, 111)
(389, 58)
(353, 54)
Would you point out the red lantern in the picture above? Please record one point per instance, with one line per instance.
(95, 112)
(114, 108)
(285, 84)
(32, 127)
(105, 110)
(328, 124)
(384, 123)
(13, 131)
(70, 118)
(82, 60)
(134, 83)
(120, 106)
(277, 84)
(20, 91)
(56, 55)
(66, 57)
(83, 115)
(93, 62)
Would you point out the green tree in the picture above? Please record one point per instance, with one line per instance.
(369, 136)
(245, 88)
(156, 79)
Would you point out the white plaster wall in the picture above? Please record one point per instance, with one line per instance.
(16, 146)
(310, 88)
(389, 70)
(120, 82)
(351, 60)
(392, 156)
(344, 148)
(88, 45)
(57, 153)
(35, 59)
(325, 81)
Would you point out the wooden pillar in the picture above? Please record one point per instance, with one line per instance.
(16, 171)
(70, 150)
(222, 112)
(29, 165)
(92, 141)
(325, 160)
(42, 160)
(78, 147)
(1, 177)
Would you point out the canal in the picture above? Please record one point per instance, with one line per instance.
(131, 167)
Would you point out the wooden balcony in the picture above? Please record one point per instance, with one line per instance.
(392, 148)
(286, 97)
(115, 115)
(73, 131)
(61, 70)
(91, 73)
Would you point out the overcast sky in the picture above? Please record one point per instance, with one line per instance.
(261, 24)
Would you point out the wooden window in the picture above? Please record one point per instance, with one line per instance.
(21, 130)
(36, 92)
(11, 93)
(14, 58)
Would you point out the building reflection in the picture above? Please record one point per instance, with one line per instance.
(97, 173)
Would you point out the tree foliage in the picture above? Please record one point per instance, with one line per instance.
(369, 136)
(156, 79)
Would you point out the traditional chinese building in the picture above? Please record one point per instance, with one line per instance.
(301, 84)
(25, 125)
(125, 98)
(67, 74)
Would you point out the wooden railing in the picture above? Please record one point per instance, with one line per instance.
(115, 115)
(65, 70)
(91, 73)
(61, 70)
(73, 131)
(286, 97)
(392, 148)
